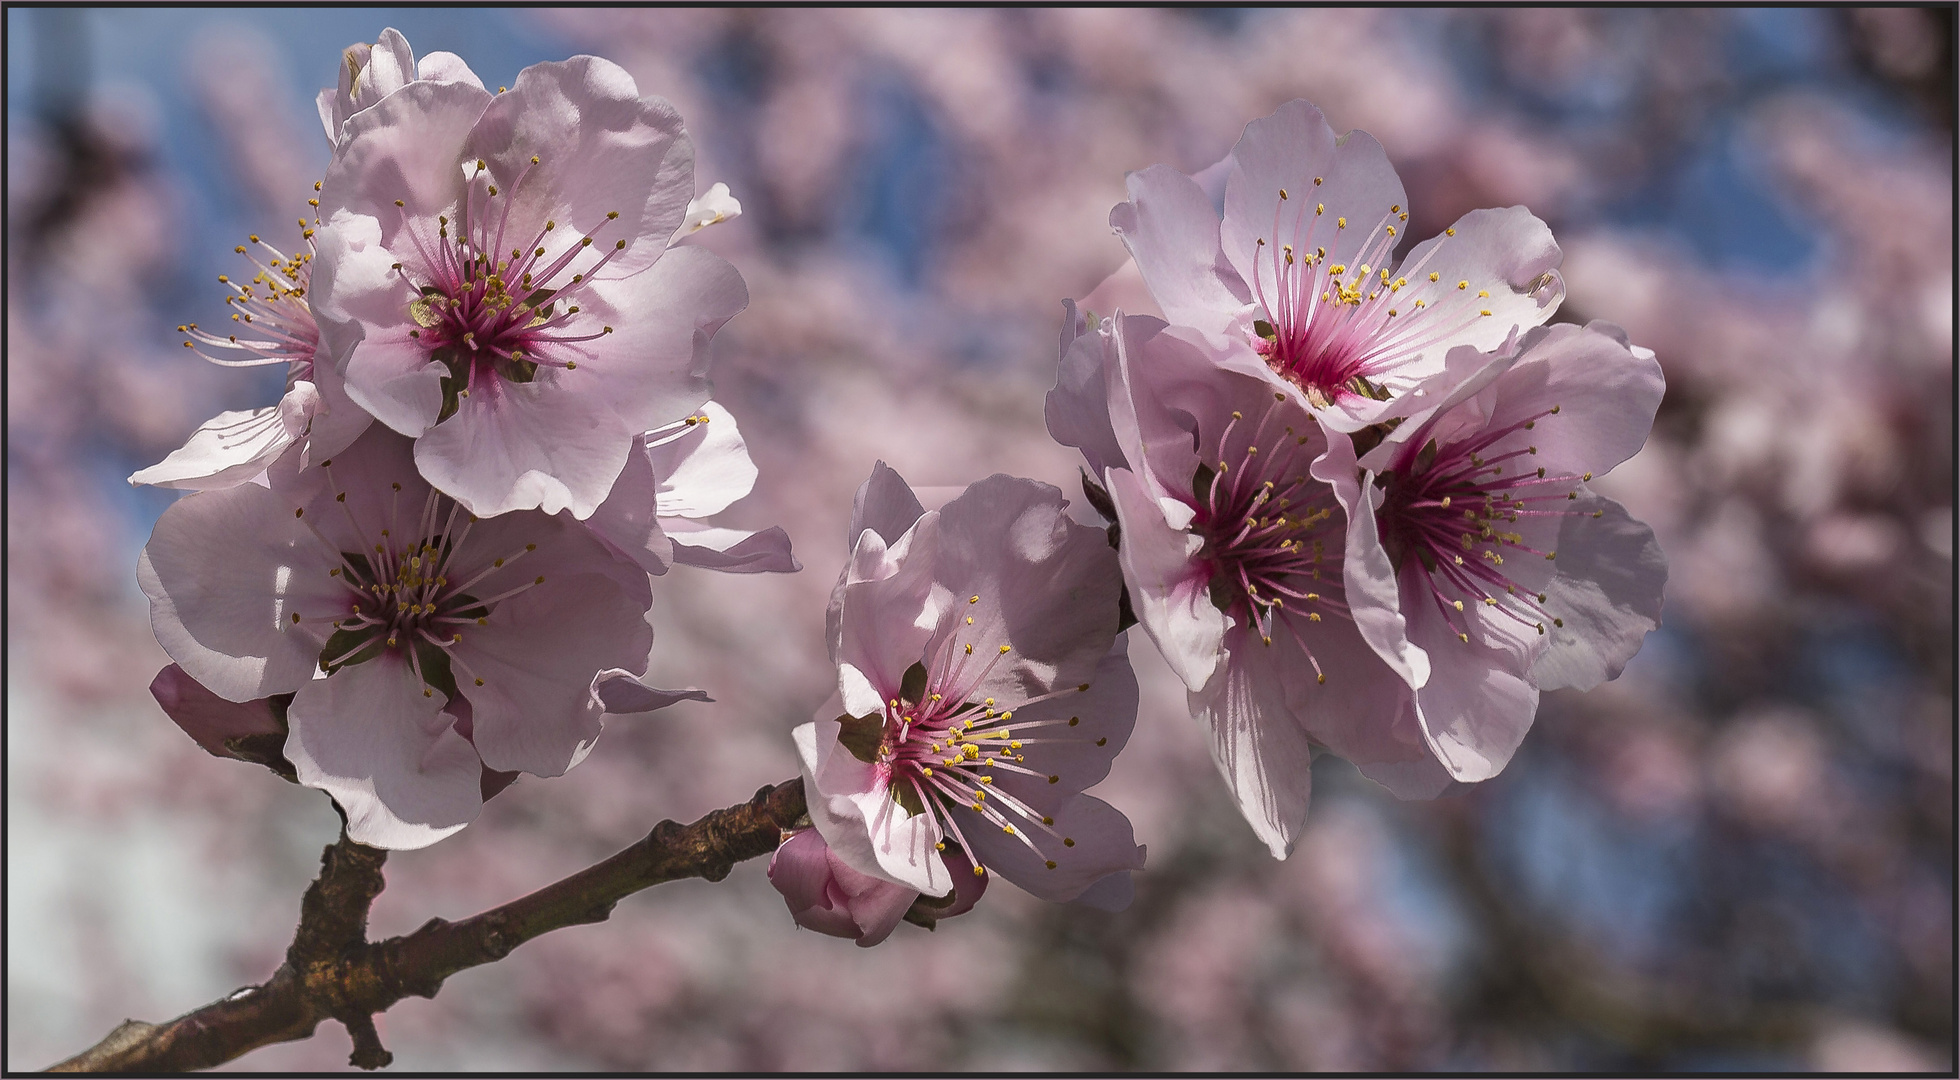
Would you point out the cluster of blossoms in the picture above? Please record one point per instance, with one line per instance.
(1348, 497)
(426, 606)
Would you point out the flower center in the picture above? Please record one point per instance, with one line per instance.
(487, 315)
(937, 748)
(1263, 519)
(1455, 512)
(410, 592)
(1335, 330)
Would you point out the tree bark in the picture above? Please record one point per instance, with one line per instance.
(332, 971)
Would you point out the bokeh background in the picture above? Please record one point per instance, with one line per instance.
(1738, 856)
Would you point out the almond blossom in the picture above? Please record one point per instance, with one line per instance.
(824, 894)
(423, 646)
(495, 280)
(981, 688)
(1480, 565)
(1233, 554)
(1294, 281)
(271, 324)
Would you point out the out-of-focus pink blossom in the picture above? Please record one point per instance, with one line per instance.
(1232, 551)
(981, 688)
(1294, 281)
(494, 280)
(381, 603)
(1480, 565)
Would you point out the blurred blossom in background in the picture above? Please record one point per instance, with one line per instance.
(1738, 856)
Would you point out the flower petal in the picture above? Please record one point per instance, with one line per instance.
(1171, 229)
(1078, 754)
(1104, 844)
(1501, 261)
(388, 754)
(1374, 594)
(653, 368)
(704, 468)
(207, 718)
(407, 146)
(1258, 746)
(1169, 589)
(225, 572)
(600, 147)
(732, 551)
(620, 692)
(538, 656)
(520, 446)
(234, 447)
(1475, 709)
(626, 522)
(1294, 149)
(1077, 409)
(1611, 574)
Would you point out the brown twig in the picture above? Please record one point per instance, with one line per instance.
(332, 971)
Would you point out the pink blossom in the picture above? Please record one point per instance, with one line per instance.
(824, 894)
(494, 280)
(1481, 566)
(981, 688)
(271, 324)
(1294, 281)
(679, 476)
(369, 73)
(424, 646)
(1232, 551)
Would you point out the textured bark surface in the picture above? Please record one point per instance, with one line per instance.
(333, 972)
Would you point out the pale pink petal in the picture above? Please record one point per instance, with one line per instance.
(362, 307)
(1048, 587)
(324, 102)
(1077, 409)
(626, 522)
(1289, 150)
(1364, 712)
(1079, 755)
(885, 505)
(1259, 748)
(600, 148)
(1372, 586)
(620, 692)
(653, 368)
(208, 718)
(388, 754)
(731, 551)
(233, 447)
(1608, 592)
(225, 572)
(1104, 844)
(1169, 590)
(1113, 893)
(1171, 229)
(894, 611)
(1475, 709)
(535, 712)
(446, 67)
(1606, 395)
(876, 906)
(704, 468)
(1504, 262)
(519, 446)
(408, 146)
(800, 870)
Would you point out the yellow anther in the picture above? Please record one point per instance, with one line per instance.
(1340, 223)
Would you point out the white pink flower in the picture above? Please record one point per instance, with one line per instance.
(1233, 554)
(1295, 281)
(271, 324)
(824, 894)
(981, 688)
(423, 645)
(1480, 565)
(494, 280)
